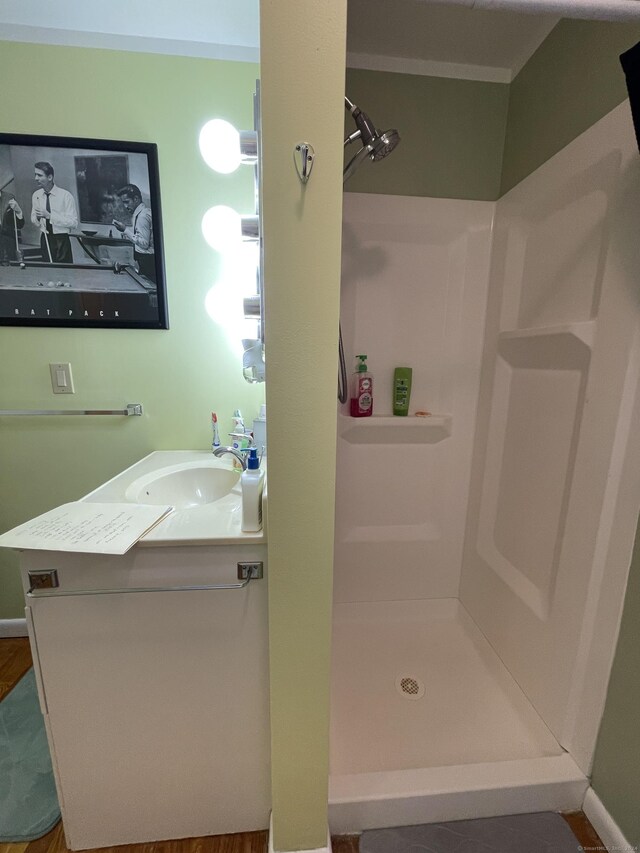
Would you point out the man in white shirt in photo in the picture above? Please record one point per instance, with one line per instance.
(53, 211)
(140, 232)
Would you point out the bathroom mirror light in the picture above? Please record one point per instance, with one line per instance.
(223, 304)
(251, 306)
(223, 228)
(223, 148)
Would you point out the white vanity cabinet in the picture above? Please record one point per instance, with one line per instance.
(156, 703)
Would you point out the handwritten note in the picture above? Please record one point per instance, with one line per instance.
(96, 528)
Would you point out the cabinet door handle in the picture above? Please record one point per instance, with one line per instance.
(246, 573)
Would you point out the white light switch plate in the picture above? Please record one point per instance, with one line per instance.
(61, 378)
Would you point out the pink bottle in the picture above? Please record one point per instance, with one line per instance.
(361, 397)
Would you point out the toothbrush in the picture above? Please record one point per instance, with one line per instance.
(238, 421)
(214, 426)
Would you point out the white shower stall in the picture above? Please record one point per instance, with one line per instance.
(482, 552)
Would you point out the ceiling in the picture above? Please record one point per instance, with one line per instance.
(220, 29)
(415, 37)
(410, 36)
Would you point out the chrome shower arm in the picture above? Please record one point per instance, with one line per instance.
(355, 162)
(352, 137)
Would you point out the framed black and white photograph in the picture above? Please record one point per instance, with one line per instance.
(81, 233)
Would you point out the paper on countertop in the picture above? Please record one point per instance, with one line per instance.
(94, 528)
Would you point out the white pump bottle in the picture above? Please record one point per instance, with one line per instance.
(252, 482)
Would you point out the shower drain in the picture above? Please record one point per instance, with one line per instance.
(409, 687)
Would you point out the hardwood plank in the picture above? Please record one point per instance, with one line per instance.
(583, 831)
(345, 843)
(244, 842)
(52, 841)
(15, 660)
(13, 848)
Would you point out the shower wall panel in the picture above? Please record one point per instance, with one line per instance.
(558, 382)
(414, 285)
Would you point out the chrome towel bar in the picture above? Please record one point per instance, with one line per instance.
(132, 409)
(246, 573)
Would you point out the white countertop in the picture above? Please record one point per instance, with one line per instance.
(216, 523)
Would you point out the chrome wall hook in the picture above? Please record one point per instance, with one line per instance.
(303, 157)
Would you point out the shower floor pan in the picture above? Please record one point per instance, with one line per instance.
(428, 725)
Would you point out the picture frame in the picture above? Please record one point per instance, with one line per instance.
(80, 233)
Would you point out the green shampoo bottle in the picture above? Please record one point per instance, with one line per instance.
(401, 390)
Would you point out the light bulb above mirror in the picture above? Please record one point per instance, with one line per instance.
(224, 148)
(223, 228)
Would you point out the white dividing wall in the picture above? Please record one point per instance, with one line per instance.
(554, 497)
(414, 288)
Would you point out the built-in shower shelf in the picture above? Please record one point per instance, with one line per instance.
(387, 429)
(584, 331)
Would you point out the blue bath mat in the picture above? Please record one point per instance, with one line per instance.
(543, 832)
(28, 801)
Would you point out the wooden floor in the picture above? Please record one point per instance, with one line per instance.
(15, 660)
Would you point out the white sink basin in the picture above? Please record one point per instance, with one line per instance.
(184, 486)
(203, 489)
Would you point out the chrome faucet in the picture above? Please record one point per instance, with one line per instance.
(240, 456)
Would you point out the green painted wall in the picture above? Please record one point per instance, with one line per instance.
(571, 81)
(615, 771)
(180, 375)
(302, 235)
(452, 134)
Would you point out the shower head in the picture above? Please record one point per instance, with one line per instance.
(376, 144)
(384, 144)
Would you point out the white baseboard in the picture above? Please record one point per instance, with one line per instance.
(326, 849)
(610, 833)
(13, 628)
